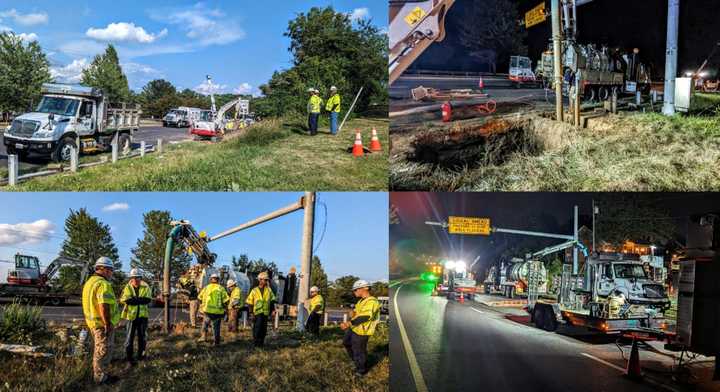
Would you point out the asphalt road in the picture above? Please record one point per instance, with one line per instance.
(469, 346)
(149, 134)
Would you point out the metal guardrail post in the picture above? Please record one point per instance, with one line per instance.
(74, 158)
(276, 323)
(12, 170)
(115, 148)
(142, 148)
(160, 146)
(326, 319)
(244, 319)
(344, 317)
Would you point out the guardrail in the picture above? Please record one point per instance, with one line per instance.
(15, 178)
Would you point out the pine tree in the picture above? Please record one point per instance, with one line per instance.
(318, 276)
(149, 253)
(88, 239)
(23, 70)
(105, 73)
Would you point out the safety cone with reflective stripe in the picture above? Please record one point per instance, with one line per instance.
(481, 84)
(633, 367)
(462, 297)
(358, 147)
(375, 142)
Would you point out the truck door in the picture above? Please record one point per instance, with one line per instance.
(607, 282)
(86, 119)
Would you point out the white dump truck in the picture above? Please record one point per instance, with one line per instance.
(69, 116)
(181, 117)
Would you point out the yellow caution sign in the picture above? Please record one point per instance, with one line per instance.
(535, 15)
(468, 225)
(415, 16)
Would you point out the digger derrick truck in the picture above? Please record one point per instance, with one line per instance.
(28, 282)
(72, 116)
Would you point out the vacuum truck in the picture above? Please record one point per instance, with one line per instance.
(512, 279)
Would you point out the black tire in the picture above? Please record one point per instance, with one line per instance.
(549, 323)
(511, 292)
(55, 301)
(62, 151)
(538, 316)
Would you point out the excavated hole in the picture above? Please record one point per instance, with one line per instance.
(491, 143)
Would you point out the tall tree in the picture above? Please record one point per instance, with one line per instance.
(106, 73)
(87, 238)
(149, 253)
(23, 70)
(380, 289)
(635, 217)
(493, 26)
(340, 292)
(158, 97)
(319, 277)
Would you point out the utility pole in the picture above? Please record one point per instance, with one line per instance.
(671, 57)
(306, 257)
(593, 230)
(575, 237)
(557, 55)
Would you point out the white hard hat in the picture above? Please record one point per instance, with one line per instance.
(360, 284)
(311, 90)
(214, 275)
(263, 275)
(104, 262)
(314, 289)
(333, 88)
(135, 273)
(230, 283)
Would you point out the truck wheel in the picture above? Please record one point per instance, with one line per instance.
(55, 301)
(63, 150)
(550, 323)
(538, 316)
(511, 292)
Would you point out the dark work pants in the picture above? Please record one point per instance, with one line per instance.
(313, 324)
(215, 319)
(259, 329)
(313, 123)
(137, 327)
(356, 347)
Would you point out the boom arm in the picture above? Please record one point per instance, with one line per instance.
(61, 261)
(563, 246)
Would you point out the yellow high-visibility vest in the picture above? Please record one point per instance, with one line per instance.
(260, 301)
(315, 301)
(131, 312)
(236, 298)
(314, 104)
(96, 292)
(214, 299)
(369, 306)
(333, 101)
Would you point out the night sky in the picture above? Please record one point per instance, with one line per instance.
(546, 212)
(624, 23)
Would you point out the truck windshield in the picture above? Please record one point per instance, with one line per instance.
(178, 112)
(206, 116)
(524, 62)
(629, 271)
(57, 105)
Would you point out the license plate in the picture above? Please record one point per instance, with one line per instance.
(19, 146)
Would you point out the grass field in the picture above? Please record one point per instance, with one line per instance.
(273, 155)
(627, 152)
(289, 362)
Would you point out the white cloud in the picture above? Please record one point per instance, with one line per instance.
(26, 233)
(70, 73)
(360, 13)
(124, 32)
(203, 25)
(81, 48)
(116, 207)
(28, 37)
(140, 74)
(206, 88)
(243, 88)
(25, 19)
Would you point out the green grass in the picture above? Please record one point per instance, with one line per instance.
(290, 362)
(636, 152)
(272, 155)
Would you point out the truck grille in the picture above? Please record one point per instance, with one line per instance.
(654, 291)
(24, 128)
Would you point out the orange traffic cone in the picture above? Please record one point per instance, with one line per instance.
(481, 84)
(375, 142)
(358, 147)
(462, 297)
(633, 367)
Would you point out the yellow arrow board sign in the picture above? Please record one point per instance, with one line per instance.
(535, 16)
(466, 225)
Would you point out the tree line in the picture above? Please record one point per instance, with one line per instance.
(327, 50)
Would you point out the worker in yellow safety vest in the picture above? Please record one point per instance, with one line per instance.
(236, 303)
(101, 316)
(333, 107)
(261, 304)
(313, 107)
(361, 326)
(317, 309)
(135, 298)
(213, 302)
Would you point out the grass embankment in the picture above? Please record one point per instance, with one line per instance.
(289, 362)
(272, 155)
(636, 152)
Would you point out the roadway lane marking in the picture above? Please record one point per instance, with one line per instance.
(420, 385)
(649, 381)
(477, 310)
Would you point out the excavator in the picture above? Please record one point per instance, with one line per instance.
(28, 281)
(212, 123)
(699, 76)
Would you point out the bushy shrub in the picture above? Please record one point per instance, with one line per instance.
(20, 322)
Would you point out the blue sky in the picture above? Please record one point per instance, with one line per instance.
(240, 43)
(355, 240)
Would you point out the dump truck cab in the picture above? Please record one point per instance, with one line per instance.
(630, 278)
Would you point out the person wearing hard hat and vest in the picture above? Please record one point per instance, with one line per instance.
(101, 315)
(313, 107)
(317, 308)
(187, 285)
(361, 325)
(213, 301)
(261, 304)
(236, 303)
(135, 298)
(333, 107)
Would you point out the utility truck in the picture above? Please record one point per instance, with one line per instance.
(27, 281)
(456, 281)
(181, 117)
(512, 279)
(72, 116)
